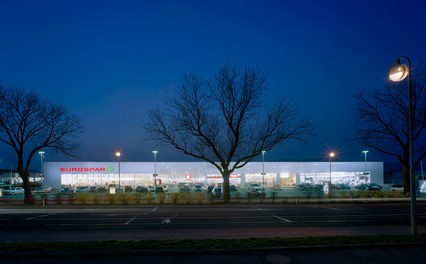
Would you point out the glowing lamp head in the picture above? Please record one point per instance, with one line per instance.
(117, 154)
(398, 72)
(332, 154)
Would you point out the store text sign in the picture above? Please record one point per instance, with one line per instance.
(86, 169)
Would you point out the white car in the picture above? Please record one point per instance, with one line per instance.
(44, 189)
(13, 190)
(397, 187)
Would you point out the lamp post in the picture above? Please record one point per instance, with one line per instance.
(365, 159)
(331, 156)
(397, 73)
(118, 155)
(155, 169)
(41, 165)
(263, 168)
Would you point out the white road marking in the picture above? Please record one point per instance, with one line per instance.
(282, 219)
(167, 220)
(35, 217)
(130, 221)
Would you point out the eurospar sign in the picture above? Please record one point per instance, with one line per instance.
(86, 169)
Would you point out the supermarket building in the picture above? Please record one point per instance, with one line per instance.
(281, 174)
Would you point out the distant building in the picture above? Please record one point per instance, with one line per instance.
(275, 173)
(11, 177)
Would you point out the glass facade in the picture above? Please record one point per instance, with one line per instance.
(277, 174)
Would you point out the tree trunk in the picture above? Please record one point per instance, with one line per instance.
(25, 176)
(406, 176)
(225, 188)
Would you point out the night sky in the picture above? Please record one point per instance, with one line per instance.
(111, 61)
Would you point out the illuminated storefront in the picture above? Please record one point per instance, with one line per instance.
(141, 173)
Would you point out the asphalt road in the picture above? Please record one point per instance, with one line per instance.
(199, 222)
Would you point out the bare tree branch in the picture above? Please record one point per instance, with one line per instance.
(29, 124)
(224, 121)
(383, 120)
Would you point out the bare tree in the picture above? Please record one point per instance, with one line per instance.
(220, 121)
(29, 124)
(383, 121)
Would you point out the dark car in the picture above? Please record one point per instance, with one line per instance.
(217, 192)
(160, 188)
(341, 186)
(256, 192)
(128, 189)
(185, 188)
(369, 187)
(141, 189)
(210, 188)
(233, 188)
(67, 190)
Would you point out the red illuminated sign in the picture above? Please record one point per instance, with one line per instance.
(83, 169)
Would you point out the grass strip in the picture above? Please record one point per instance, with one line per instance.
(204, 244)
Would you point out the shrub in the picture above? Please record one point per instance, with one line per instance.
(174, 197)
(393, 194)
(96, 199)
(363, 194)
(161, 196)
(81, 198)
(210, 196)
(123, 198)
(185, 197)
(149, 198)
(273, 196)
(200, 197)
(237, 196)
(58, 198)
(111, 198)
(138, 198)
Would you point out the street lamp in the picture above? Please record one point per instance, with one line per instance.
(399, 72)
(155, 168)
(41, 165)
(263, 168)
(118, 155)
(331, 156)
(365, 159)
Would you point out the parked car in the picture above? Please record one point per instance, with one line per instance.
(198, 188)
(67, 190)
(41, 189)
(253, 186)
(210, 188)
(151, 188)
(309, 187)
(82, 189)
(217, 192)
(141, 189)
(233, 188)
(13, 190)
(160, 188)
(128, 188)
(341, 186)
(102, 189)
(397, 187)
(369, 187)
(185, 188)
(256, 192)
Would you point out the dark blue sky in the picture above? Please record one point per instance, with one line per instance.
(112, 61)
